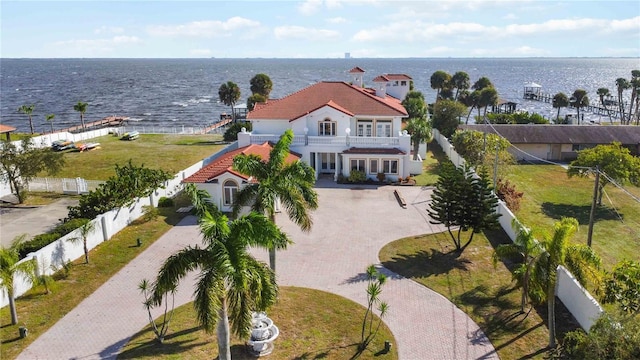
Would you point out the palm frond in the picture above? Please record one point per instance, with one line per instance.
(207, 298)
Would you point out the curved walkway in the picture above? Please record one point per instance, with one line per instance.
(350, 227)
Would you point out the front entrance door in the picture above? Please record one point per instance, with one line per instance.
(327, 163)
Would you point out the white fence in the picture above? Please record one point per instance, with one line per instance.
(576, 298)
(63, 185)
(54, 255)
(187, 130)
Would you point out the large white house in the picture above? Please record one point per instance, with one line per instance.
(339, 126)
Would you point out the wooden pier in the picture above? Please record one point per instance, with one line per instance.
(216, 126)
(534, 93)
(109, 121)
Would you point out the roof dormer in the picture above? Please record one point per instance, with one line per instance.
(381, 85)
(356, 76)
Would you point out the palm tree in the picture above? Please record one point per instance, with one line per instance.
(10, 266)
(275, 180)
(621, 85)
(460, 82)
(580, 260)
(85, 230)
(560, 100)
(527, 249)
(634, 84)
(229, 94)
(439, 81)
(580, 100)
(488, 96)
(49, 119)
(602, 93)
(261, 84)
(420, 131)
(231, 284)
(81, 107)
(482, 83)
(28, 110)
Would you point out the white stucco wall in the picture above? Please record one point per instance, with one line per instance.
(577, 299)
(270, 126)
(537, 150)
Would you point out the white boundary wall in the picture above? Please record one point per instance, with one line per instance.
(577, 299)
(53, 256)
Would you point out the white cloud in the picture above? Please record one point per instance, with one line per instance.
(299, 32)
(632, 24)
(336, 20)
(510, 16)
(200, 52)
(310, 7)
(207, 29)
(108, 30)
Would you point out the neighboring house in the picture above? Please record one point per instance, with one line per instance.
(339, 127)
(220, 180)
(561, 142)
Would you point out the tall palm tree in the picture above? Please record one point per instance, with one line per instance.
(49, 119)
(277, 180)
(229, 94)
(28, 110)
(602, 93)
(580, 100)
(527, 249)
(560, 100)
(10, 266)
(634, 84)
(420, 131)
(622, 84)
(81, 107)
(439, 81)
(85, 230)
(460, 81)
(231, 284)
(580, 260)
(488, 97)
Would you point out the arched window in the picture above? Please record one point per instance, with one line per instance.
(327, 128)
(230, 188)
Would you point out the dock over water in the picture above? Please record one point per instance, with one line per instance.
(109, 121)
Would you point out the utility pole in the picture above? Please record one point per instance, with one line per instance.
(593, 206)
(495, 172)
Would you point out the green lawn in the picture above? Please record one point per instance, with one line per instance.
(167, 152)
(549, 195)
(470, 281)
(431, 165)
(313, 324)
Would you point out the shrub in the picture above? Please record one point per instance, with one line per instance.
(357, 176)
(37, 243)
(165, 202)
(68, 226)
(381, 177)
(150, 213)
(232, 132)
(507, 192)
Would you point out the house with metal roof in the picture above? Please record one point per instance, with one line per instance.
(533, 142)
(340, 127)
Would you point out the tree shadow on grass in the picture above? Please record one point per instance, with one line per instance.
(151, 348)
(324, 353)
(426, 263)
(579, 212)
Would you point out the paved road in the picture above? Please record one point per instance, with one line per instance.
(350, 227)
(32, 221)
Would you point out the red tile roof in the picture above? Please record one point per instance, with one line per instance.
(6, 128)
(224, 163)
(398, 77)
(356, 69)
(374, 151)
(350, 99)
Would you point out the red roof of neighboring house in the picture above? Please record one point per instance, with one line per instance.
(349, 99)
(356, 69)
(389, 77)
(6, 128)
(224, 163)
(373, 151)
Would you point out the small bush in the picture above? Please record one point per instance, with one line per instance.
(357, 176)
(67, 227)
(381, 177)
(232, 132)
(507, 192)
(165, 202)
(150, 213)
(37, 243)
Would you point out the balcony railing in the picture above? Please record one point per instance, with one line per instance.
(355, 141)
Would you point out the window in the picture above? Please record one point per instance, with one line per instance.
(357, 164)
(390, 166)
(230, 189)
(403, 83)
(365, 128)
(373, 166)
(327, 128)
(383, 129)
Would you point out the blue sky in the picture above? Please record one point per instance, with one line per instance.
(319, 29)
